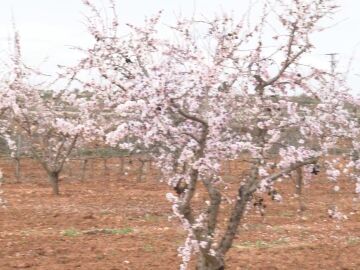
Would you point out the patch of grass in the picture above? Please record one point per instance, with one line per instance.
(121, 231)
(256, 226)
(27, 232)
(260, 244)
(151, 218)
(278, 229)
(71, 232)
(249, 244)
(304, 234)
(287, 214)
(100, 257)
(353, 240)
(106, 212)
(280, 241)
(148, 248)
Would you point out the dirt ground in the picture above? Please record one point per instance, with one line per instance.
(111, 221)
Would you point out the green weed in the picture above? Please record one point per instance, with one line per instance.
(353, 240)
(118, 231)
(260, 244)
(148, 248)
(71, 232)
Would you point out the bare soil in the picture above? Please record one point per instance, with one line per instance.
(112, 221)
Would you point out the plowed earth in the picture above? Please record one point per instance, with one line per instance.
(111, 221)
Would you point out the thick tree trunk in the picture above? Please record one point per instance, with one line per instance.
(54, 182)
(208, 262)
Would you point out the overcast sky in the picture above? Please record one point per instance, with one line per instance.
(49, 28)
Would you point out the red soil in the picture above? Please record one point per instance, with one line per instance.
(113, 222)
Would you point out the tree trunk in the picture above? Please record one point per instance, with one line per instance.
(121, 167)
(17, 169)
(208, 262)
(141, 170)
(106, 168)
(17, 158)
(299, 188)
(54, 182)
(83, 169)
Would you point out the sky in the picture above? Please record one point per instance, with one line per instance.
(50, 28)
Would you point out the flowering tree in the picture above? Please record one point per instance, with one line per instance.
(6, 101)
(42, 116)
(215, 90)
(2, 109)
(2, 200)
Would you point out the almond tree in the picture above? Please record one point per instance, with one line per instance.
(6, 101)
(216, 90)
(42, 116)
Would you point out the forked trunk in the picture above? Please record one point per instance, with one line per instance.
(54, 182)
(208, 262)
